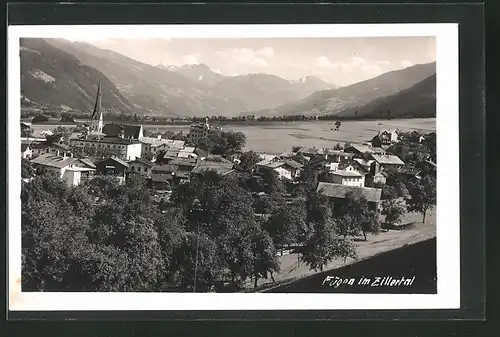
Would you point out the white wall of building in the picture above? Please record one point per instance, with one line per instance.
(133, 151)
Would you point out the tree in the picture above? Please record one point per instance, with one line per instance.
(356, 216)
(264, 256)
(197, 254)
(393, 211)
(248, 160)
(59, 134)
(296, 148)
(40, 119)
(284, 225)
(422, 195)
(27, 170)
(26, 132)
(337, 125)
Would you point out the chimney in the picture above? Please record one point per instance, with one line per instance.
(58, 153)
(375, 168)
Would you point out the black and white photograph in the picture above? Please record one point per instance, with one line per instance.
(233, 167)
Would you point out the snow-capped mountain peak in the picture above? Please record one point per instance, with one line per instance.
(169, 67)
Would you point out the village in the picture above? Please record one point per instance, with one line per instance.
(374, 183)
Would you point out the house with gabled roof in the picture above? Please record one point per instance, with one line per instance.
(348, 178)
(113, 166)
(288, 169)
(72, 170)
(386, 161)
(222, 168)
(141, 166)
(337, 193)
(360, 149)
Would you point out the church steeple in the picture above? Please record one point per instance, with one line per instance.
(97, 111)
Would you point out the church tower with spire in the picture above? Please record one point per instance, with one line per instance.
(97, 113)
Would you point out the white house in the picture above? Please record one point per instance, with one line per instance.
(348, 178)
(288, 169)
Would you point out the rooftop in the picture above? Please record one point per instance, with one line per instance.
(56, 161)
(143, 161)
(107, 140)
(183, 162)
(222, 168)
(164, 168)
(115, 159)
(340, 191)
(346, 173)
(365, 149)
(114, 130)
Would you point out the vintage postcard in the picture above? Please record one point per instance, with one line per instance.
(245, 167)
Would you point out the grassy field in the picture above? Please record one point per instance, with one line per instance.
(279, 137)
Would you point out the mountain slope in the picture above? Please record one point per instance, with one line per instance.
(309, 84)
(258, 91)
(331, 102)
(200, 73)
(416, 101)
(53, 78)
(158, 91)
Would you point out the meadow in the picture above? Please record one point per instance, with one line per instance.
(278, 137)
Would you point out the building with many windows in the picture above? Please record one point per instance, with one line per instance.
(126, 149)
(198, 131)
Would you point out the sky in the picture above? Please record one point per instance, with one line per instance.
(341, 61)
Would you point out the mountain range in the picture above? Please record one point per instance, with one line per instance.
(418, 100)
(60, 73)
(334, 101)
(53, 78)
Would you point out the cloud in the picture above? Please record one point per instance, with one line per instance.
(358, 61)
(324, 62)
(383, 63)
(246, 57)
(406, 63)
(265, 52)
(191, 59)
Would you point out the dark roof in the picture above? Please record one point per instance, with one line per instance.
(339, 191)
(201, 153)
(293, 164)
(130, 131)
(143, 161)
(164, 168)
(56, 161)
(115, 159)
(221, 168)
